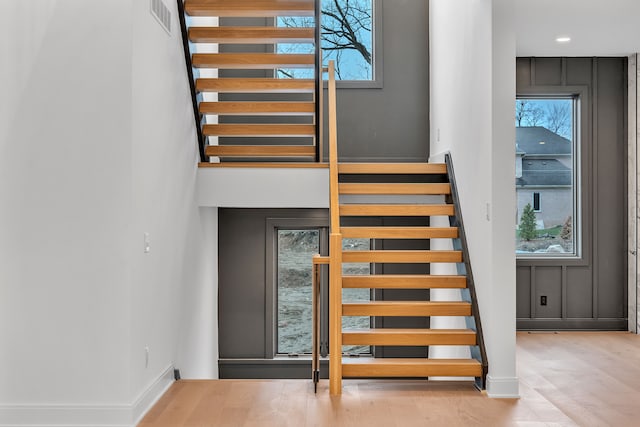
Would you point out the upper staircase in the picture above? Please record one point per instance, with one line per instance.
(243, 110)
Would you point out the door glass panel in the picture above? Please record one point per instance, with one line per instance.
(295, 251)
(546, 177)
(353, 295)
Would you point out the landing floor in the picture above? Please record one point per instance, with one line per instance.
(566, 379)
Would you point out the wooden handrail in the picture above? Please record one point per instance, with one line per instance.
(335, 247)
(479, 352)
(333, 151)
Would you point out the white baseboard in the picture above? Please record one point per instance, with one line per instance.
(503, 388)
(87, 415)
(150, 396)
(65, 415)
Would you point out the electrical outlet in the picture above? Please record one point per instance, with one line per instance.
(543, 300)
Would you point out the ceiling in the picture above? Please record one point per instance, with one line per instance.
(596, 27)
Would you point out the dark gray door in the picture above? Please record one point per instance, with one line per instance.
(586, 290)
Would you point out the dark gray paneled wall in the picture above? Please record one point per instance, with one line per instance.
(242, 278)
(392, 123)
(587, 293)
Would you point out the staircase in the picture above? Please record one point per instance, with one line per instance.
(259, 117)
(255, 116)
(400, 185)
(387, 194)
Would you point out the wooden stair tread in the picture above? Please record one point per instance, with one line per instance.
(388, 188)
(400, 256)
(392, 168)
(260, 151)
(400, 232)
(391, 367)
(406, 308)
(253, 35)
(406, 336)
(395, 210)
(403, 281)
(249, 8)
(268, 130)
(265, 165)
(252, 60)
(255, 85)
(259, 108)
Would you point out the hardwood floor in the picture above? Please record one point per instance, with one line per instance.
(566, 379)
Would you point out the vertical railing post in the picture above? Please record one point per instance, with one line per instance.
(315, 349)
(335, 314)
(335, 248)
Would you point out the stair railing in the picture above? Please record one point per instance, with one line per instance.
(195, 98)
(334, 260)
(478, 352)
(335, 247)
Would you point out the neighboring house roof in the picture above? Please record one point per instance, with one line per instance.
(530, 139)
(543, 172)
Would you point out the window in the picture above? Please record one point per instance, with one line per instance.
(294, 247)
(295, 251)
(536, 202)
(350, 37)
(546, 159)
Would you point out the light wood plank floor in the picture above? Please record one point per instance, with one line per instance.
(566, 379)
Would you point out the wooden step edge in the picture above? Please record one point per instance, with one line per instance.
(396, 210)
(249, 9)
(251, 35)
(264, 165)
(255, 85)
(250, 61)
(393, 168)
(406, 308)
(262, 108)
(400, 232)
(400, 256)
(260, 151)
(267, 130)
(409, 337)
(403, 281)
(388, 367)
(395, 189)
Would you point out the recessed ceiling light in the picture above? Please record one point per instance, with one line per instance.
(563, 39)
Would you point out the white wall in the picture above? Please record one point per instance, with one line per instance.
(65, 202)
(472, 57)
(97, 147)
(164, 159)
(198, 343)
(264, 188)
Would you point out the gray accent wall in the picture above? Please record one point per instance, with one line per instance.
(247, 297)
(391, 123)
(588, 292)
